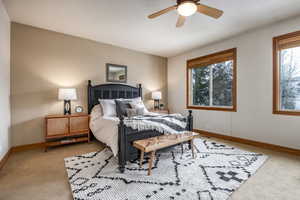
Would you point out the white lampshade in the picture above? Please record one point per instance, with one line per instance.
(156, 95)
(67, 94)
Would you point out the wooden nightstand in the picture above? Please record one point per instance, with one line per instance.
(66, 129)
(161, 111)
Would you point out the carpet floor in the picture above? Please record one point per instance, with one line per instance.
(34, 174)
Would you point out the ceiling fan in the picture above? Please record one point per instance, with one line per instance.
(187, 8)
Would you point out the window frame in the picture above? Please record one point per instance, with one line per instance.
(233, 53)
(276, 74)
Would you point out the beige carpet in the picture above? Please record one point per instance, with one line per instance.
(37, 175)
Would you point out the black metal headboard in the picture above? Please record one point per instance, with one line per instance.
(111, 91)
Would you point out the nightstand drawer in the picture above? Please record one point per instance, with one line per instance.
(79, 124)
(57, 126)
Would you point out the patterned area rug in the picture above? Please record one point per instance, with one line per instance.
(215, 174)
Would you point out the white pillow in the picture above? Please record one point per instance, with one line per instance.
(137, 99)
(108, 107)
(137, 103)
(131, 112)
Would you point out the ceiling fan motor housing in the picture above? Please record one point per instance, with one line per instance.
(181, 1)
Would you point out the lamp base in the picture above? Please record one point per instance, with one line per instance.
(67, 107)
(156, 104)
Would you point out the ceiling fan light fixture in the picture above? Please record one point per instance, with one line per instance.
(187, 8)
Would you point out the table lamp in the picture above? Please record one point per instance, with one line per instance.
(156, 96)
(67, 94)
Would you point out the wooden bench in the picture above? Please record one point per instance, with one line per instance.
(151, 145)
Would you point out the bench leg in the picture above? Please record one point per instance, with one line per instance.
(193, 148)
(142, 158)
(181, 148)
(196, 148)
(151, 162)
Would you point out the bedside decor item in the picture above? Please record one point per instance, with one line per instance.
(67, 94)
(156, 96)
(161, 106)
(78, 109)
(66, 129)
(116, 73)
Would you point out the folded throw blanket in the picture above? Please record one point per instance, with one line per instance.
(170, 124)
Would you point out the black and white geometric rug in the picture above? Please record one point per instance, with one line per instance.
(215, 174)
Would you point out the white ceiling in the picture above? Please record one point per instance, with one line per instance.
(124, 23)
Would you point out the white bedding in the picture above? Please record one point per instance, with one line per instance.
(105, 129)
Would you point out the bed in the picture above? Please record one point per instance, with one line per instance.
(114, 132)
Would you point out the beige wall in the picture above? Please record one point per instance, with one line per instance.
(254, 119)
(4, 81)
(43, 61)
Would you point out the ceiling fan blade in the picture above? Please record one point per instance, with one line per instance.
(209, 11)
(180, 21)
(162, 12)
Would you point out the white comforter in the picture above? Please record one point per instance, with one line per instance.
(105, 129)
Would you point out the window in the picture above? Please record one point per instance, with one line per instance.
(211, 82)
(286, 72)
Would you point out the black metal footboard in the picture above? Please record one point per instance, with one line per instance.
(127, 135)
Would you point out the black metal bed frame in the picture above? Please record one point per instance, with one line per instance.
(126, 135)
